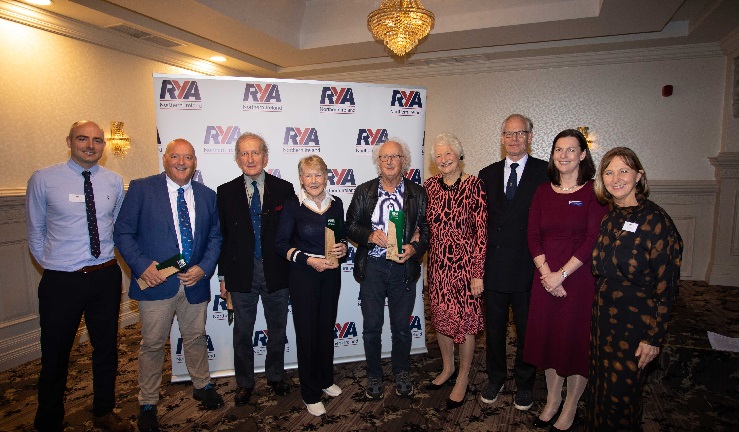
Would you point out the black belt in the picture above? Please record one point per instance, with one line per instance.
(92, 268)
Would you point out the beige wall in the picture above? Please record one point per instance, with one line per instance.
(49, 81)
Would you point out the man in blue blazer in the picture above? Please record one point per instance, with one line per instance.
(161, 216)
(509, 268)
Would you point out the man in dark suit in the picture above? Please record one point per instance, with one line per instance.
(509, 269)
(249, 207)
(161, 216)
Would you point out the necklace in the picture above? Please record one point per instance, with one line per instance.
(452, 186)
(567, 189)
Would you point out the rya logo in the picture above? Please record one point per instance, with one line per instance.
(348, 264)
(341, 181)
(415, 326)
(345, 334)
(262, 97)
(366, 138)
(275, 172)
(260, 342)
(182, 96)
(414, 175)
(337, 100)
(179, 353)
(220, 139)
(219, 310)
(406, 103)
(299, 140)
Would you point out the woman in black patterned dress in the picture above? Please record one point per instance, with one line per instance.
(636, 263)
(457, 218)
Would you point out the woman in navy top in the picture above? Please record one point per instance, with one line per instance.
(315, 281)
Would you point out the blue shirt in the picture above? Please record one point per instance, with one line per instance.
(56, 219)
(381, 214)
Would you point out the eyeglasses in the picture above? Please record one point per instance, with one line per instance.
(385, 158)
(517, 134)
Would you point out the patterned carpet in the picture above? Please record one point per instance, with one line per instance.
(694, 389)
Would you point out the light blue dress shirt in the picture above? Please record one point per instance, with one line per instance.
(56, 219)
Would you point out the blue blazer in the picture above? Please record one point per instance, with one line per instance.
(144, 232)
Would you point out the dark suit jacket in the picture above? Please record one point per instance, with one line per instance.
(145, 232)
(236, 262)
(508, 263)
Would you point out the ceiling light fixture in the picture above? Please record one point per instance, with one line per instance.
(39, 2)
(218, 59)
(400, 24)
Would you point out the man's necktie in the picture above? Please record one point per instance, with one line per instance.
(256, 220)
(185, 227)
(92, 220)
(512, 184)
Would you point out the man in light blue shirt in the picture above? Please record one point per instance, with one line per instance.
(70, 211)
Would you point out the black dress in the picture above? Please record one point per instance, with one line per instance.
(636, 263)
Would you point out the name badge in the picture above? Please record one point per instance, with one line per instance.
(76, 198)
(576, 203)
(630, 226)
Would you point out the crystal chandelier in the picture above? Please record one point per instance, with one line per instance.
(400, 24)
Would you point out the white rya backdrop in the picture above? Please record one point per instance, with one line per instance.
(340, 122)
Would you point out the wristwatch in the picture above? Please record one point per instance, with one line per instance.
(564, 274)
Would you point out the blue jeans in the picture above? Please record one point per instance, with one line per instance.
(245, 313)
(385, 279)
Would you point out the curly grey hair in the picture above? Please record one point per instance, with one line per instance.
(406, 161)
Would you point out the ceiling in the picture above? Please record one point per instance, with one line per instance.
(301, 38)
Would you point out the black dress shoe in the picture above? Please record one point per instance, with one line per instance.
(281, 388)
(449, 381)
(243, 394)
(147, 421)
(208, 397)
(452, 404)
(541, 424)
(576, 421)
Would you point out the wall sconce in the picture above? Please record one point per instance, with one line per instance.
(584, 131)
(119, 141)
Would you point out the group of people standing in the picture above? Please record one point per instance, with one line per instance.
(587, 268)
(522, 236)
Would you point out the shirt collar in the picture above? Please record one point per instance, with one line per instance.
(260, 180)
(306, 200)
(520, 162)
(172, 186)
(78, 169)
(398, 189)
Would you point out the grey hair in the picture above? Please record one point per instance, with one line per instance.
(450, 140)
(404, 148)
(529, 123)
(246, 135)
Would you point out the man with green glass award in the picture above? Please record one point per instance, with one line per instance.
(383, 216)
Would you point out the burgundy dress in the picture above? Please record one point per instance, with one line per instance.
(458, 222)
(558, 330)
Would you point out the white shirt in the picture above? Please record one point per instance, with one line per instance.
(172, 188)
(519, 170)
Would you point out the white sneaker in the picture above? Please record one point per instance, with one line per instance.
(317, 409)
(333, 391)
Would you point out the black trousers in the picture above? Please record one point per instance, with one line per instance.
(496, 328)
(64, 297)
(315, 298)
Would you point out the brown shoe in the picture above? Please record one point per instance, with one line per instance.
(112, 422)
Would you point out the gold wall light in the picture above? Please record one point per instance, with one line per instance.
(119, 141)
(584, 130)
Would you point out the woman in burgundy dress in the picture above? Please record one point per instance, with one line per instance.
(564, 222)
(457, 216)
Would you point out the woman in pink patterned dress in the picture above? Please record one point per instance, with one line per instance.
(457, 216)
